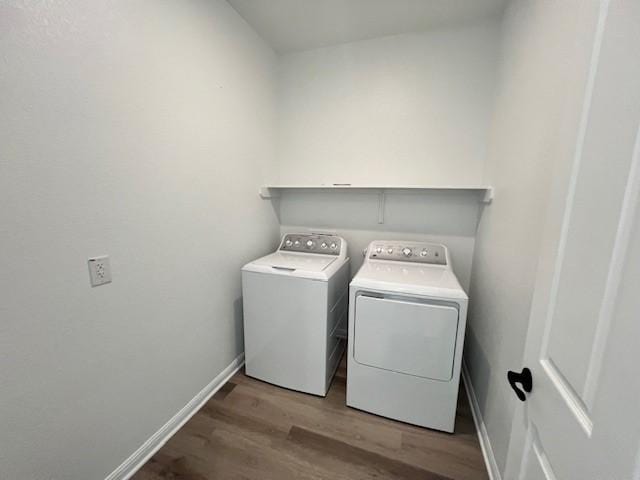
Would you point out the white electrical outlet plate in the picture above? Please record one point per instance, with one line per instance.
(99, 270)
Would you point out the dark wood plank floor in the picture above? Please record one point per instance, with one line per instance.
(253, 430)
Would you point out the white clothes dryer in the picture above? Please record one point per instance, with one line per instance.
(407, 319)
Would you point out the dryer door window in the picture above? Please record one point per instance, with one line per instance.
(410, 337)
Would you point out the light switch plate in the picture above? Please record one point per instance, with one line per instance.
(99, 270)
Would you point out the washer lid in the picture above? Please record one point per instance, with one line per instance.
(306, 265)
(429, 280)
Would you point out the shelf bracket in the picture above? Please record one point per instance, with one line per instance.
(487, 197)
(266, 193)
(381, 202)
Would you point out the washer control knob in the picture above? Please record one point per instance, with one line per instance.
(424, 253)
(334, 246)
(297, 243)
(389, 250)
(379, 250)
(406, 251)
(323, 245)
(310, 243)
(288, 243)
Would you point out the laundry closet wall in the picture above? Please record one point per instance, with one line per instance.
(405, 109)
(141, 130)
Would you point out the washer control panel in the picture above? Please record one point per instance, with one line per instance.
(413, 252)
(312, 243)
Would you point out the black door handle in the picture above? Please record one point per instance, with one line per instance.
(523, 378)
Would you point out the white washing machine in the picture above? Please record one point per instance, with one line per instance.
(295, 302)
(407, 319)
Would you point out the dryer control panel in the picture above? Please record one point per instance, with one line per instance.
(312, 243)
(412, 252)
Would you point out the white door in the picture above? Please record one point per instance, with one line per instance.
(582, 418)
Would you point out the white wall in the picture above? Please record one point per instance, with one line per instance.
(141, 130)
(543, 71)
(441, 217)
(406, 109)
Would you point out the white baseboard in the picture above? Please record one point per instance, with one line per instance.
(483, 436)
(158, 439)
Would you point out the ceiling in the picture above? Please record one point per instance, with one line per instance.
(292, 25)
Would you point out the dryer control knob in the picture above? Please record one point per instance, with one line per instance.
(297, 243)
(406, 251)
(310, 243)
(288, 243)
(389, 251)
(379, 250)
(424, 253)
(333, 246)
(323, 245)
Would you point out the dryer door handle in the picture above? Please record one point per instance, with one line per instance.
(371, 295)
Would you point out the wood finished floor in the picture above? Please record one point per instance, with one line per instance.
(253, 430)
